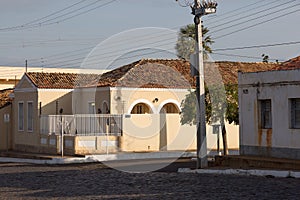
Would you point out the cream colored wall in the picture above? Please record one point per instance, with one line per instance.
(232, 137)
(179, 137)
(153, 132)
(26, 92)
(48, 98)
(140, 133)
(123, 99)
(26, 137)
(81, 98)
(5, 128)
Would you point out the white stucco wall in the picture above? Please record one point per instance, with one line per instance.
(279, 86)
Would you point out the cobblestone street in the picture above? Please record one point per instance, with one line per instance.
(95, 181)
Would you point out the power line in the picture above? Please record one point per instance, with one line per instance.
(261, 16)
(155, 36)
(236, 48)
(177, 27)
(54, 13)
(135, 39)
(232, 12)
(234, 55)
(65, 19)
(243, 56)
(39, 19)
(60, 54)
(250, 15)
(258, 46)
(251, 26)
(31, 25)
(111, 54)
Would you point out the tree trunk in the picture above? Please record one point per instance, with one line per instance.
(224, 136)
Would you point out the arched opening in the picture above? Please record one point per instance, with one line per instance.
(169, 108)
(141, 108)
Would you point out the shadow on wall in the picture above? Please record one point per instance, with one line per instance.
(62, 105)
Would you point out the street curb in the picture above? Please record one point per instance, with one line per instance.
(137, 156)
(101, 158)
(243, 172)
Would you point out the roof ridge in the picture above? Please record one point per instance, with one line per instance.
(269, 63)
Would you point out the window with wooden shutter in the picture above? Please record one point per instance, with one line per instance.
(266, 113)
(295, 113)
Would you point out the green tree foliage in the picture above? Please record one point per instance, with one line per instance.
(221, 104)
(186, 42)
(232, 110)
(265, 58)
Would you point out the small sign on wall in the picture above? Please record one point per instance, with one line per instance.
(6, 118)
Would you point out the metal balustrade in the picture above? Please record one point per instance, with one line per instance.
(81, 125)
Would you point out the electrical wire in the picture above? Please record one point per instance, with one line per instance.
(31, 25)
(177, 27)
(258, 17)
(251, 26)
(156, 36)
(54, 13)
(252, 14)
(242, 56)
(258, 46)
(264, 22)
(233, 12)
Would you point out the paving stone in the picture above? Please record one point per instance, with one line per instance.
(95, 181)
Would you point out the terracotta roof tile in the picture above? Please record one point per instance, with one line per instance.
(229, 70)
(4, 97)
(149, 73)
(62, 80)
(293, 63)
(153, 73)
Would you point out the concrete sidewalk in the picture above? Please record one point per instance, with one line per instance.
(56, 159)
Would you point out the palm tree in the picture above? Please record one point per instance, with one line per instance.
(186, 42)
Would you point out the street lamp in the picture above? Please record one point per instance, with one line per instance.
(200, 9)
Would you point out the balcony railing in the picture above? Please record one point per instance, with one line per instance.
(81, 125)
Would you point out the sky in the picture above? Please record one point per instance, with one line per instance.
(110, 33)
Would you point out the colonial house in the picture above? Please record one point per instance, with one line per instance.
(120, 110)
(135, 107)
(269, 104)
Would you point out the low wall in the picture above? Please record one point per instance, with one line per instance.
(232, 137)
(179, 137)
(140, 133)
(80, 145)
(155, 132)
(95, 144)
